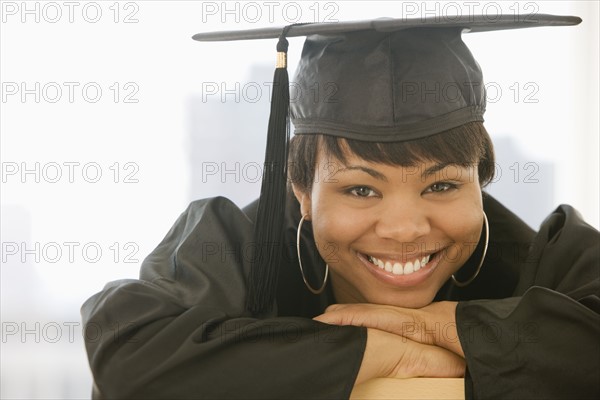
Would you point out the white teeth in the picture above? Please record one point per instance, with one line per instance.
(408, 268)
(397, 268)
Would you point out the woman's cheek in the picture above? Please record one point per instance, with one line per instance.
(467, 218)
(466, 235)
(332, 231)
(325, 226)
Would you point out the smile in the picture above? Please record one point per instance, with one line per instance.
(392, 270)
(398, 268)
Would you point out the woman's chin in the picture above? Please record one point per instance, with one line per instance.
(404, 300)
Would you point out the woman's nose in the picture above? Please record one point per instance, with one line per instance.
(403, 221)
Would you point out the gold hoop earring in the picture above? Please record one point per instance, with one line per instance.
(485, 247)
(315, 291)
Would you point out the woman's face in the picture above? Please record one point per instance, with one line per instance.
(392, 235)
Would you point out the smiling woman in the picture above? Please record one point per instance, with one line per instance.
(385, 219)
(371, 186)
(430, 276)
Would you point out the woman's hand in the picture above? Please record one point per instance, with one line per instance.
(434, 324)
(391, 356)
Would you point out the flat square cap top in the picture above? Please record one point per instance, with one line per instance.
(470, 23)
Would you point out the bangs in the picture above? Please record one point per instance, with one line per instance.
(462, 146)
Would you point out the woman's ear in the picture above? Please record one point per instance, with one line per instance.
(303, 198)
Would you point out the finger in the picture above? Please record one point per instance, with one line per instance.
(387, 318)
(334, 307)
(358, 315)
(356, 306)
(329, 318)
(343, 317)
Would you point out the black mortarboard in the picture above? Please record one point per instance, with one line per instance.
(384, 80)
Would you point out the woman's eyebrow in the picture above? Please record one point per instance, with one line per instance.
(378, 175)
(439, 167)
(375, 174)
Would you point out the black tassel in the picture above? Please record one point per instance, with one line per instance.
(268, 228)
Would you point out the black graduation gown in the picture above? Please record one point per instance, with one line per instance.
(529, 324)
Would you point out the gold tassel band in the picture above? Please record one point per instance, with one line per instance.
(281, 60)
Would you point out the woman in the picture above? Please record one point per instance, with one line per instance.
(429, 276)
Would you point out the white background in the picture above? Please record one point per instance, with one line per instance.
(154, 125)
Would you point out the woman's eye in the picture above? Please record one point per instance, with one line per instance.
(441, 187)
(362, 191)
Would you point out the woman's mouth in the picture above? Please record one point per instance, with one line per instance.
(391, 270)
(398, 268)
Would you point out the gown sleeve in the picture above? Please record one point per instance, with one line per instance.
(181, 330)
(543, 342)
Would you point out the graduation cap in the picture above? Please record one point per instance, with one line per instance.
(389, 80)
